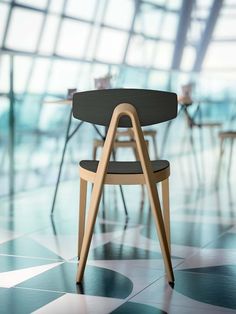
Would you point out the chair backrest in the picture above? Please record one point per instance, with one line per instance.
(97, 106)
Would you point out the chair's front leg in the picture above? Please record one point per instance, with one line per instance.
(92, 214)
(82, 207)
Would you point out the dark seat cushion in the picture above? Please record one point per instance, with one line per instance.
(124, 167)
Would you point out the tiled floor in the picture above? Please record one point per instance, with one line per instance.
(125, 272)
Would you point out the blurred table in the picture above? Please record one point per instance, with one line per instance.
(69, 134)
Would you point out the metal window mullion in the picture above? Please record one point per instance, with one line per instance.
(207, 35)
(184, 23)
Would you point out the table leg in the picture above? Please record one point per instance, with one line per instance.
(11, 131)
(61, 163)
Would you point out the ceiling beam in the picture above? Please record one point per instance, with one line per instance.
(207, 34)
(184, 22)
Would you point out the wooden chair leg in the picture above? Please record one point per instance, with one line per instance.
(220, 160)
(156, 210)
(166, 209)
(230, 156)
(92, 214)
(82, 207)
(153, 194)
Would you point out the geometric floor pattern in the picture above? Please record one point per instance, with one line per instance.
(125, 271)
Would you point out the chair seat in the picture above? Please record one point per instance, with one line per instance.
(124, 172)
(124, 167)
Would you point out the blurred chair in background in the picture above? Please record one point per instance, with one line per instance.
(225, 136)
(124, 138)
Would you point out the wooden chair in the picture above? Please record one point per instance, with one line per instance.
(124, 108)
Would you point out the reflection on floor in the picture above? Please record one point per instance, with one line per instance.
(125, 272)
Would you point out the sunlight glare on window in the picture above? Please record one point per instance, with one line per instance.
(39, 76)
(21, 71)
(169, 26)
(119, 13)
(49, 34)
(3, 18)
(64, 75)
(220, 56)
(188, 58)
(81, 9)
(73, 38)
(56, 6)
(40, 4)
(23, 24)
(148, 21)
(225, 28)
(112, 45)
(141, 51)
(164, 55)
(4, 73)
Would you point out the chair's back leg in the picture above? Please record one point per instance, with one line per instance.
(166, 209)
(153, 194)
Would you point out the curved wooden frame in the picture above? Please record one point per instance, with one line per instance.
(101, 177)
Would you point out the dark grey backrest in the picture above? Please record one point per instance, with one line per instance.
(97, 106)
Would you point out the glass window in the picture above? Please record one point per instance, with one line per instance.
(174, 5)
(133, 78)
(164, 55)
(49, 34)
(220, 56)
(158, 80)
(24, 29)
(39, 76)
(4, 8)
(169, 26)
(200, 13)
(225, 28)
(40, 4)
(229, 2)
(228, 12)
(81, 9)
(148, 20)
(111, 45)
(119, 13)
(56, 6)
(204, 3)
(73, 38)
(64, 75)
(159, 2)
(141, 51)
(188, 58)
(22, 67)
(195, 31)
(4, 73)
(4, 113)
(85, 79)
